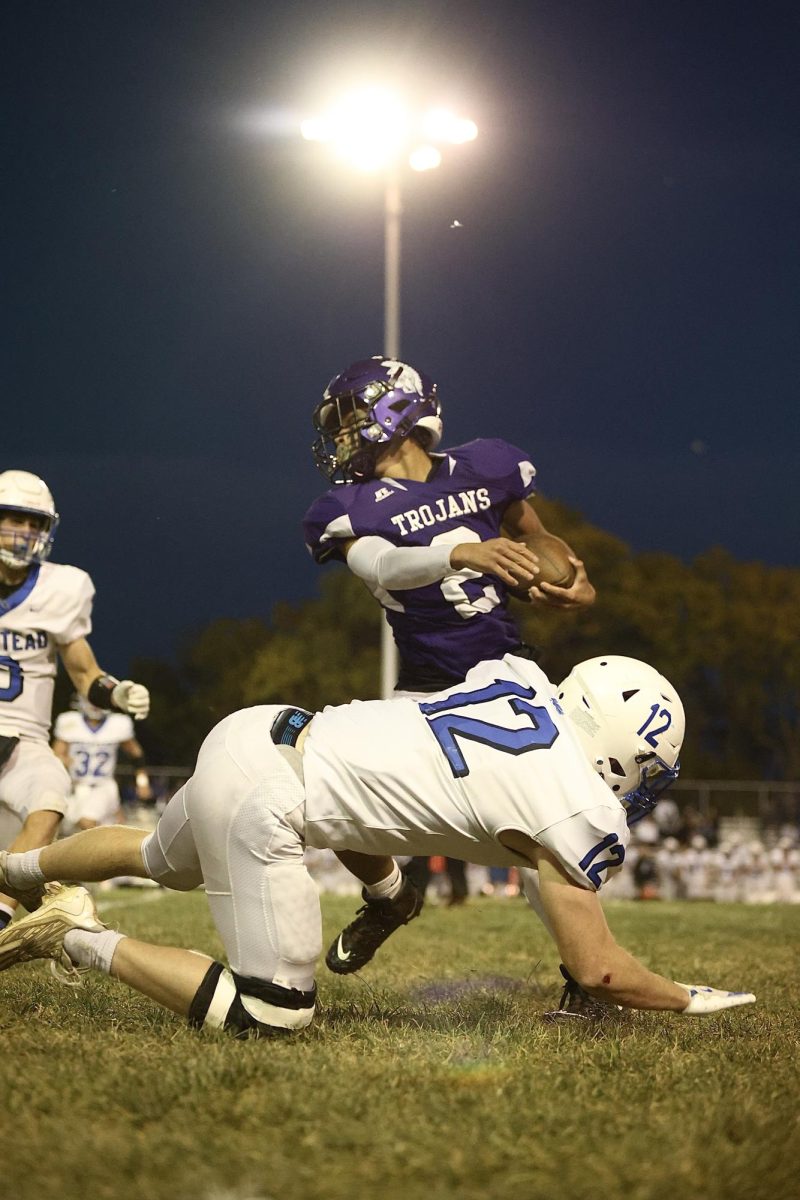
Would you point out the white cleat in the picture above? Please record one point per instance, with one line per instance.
(29, 898)
(41, 934)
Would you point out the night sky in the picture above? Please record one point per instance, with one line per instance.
(182, 274)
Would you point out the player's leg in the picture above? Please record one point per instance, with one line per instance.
(247, 843)
(91, 805)
(89, 856)
(457, 874)
(263, 901)
(388, 904)
(67, 929)
(391, 899)
(167, 855)
(34, 786)
(367, 868)
(167, 974)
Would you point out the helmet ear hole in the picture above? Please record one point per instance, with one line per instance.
(617, 767)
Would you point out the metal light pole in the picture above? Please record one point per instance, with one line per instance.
(393, 211)
(375, 132)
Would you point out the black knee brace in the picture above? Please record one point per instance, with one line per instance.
(249, 1007)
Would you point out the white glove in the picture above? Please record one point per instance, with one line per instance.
(132, 698)
(703, 1000)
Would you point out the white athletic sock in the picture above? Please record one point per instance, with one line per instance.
(23, 870)
(387, 888)
(95, 950)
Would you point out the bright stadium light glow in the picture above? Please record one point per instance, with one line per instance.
(440, 125)
(463, 131)
(368, 128)
(424, 158)
(374, 130)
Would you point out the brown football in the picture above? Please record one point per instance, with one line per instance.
(554, 565)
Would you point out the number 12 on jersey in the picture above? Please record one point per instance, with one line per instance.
(448, 726)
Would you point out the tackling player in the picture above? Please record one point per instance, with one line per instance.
(431, 533)
(502, 769)
(88, 742)
(45, 610)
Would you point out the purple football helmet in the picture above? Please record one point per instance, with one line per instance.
(369, 404)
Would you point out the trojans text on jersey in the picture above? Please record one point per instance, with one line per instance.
(443, 509)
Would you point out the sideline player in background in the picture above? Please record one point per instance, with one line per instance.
(432, 536)
(503, 769)
(45, 610)
(88, 741)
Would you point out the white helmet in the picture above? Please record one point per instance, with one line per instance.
(22, 492)
(630, 721)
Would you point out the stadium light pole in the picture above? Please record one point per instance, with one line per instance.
(375, 131)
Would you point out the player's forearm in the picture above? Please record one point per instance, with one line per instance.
(618, 978)
(397, 568)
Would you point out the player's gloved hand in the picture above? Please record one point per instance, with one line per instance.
(132, 698)
(703, 1000)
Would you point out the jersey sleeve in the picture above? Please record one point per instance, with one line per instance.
(325, 526)
(499, 465)
(123, 728)
(73, 607)
(61, 728)
(590, 845)
(511, 467)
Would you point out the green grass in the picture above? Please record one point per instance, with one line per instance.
(430, 1075)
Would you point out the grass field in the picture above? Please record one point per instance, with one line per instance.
(430, 1075)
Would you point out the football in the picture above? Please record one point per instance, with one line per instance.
(554, 565)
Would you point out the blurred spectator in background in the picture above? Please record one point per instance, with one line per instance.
(645, 873)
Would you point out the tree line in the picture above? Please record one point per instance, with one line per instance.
(726, 633)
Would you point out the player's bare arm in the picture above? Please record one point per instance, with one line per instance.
(61, 750)
(133, 749)
(103, 690)
(588, 949)
(80, 664)
(607, 971)
(521, 520)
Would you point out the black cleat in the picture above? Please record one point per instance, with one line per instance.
(577, 1005)
(375, 922)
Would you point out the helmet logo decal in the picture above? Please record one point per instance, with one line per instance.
(585, 720)
(405, 377)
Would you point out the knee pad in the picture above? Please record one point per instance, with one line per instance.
(249, 1007)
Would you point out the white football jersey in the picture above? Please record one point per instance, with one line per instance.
(447, 776)
(93, 748)
(50, 609)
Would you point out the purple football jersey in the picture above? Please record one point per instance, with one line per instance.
(448, 626)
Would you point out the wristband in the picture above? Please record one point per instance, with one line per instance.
(100, 691)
